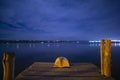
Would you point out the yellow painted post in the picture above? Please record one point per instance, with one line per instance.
(102, 50)
(107, 56)
(8, 66)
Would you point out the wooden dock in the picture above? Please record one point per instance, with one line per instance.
(46, 71)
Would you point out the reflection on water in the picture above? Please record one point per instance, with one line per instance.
(17, 46)
(93, 44)
(116, 44)
(27, 53)
(33, 45)
(97, 44)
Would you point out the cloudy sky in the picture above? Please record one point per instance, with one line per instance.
(59, 19)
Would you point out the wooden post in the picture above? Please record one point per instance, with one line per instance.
(102, 50)
(8, 66)
(107, 56)
(105, 47)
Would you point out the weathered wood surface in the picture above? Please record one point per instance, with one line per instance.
(46, 71)
(105, 55)
(8, 62)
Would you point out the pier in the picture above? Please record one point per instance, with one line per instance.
(46, 71)
(61, 69)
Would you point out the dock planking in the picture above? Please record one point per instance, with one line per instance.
(46, 71)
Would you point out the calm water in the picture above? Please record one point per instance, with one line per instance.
(26, 54)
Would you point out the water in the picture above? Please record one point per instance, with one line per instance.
(27, 53)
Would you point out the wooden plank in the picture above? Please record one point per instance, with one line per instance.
(61, 78)
(46, 71)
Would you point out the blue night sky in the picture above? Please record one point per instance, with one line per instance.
(59, 19)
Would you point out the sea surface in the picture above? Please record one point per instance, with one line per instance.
(28, 53)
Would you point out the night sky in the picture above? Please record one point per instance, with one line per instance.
(59, 19)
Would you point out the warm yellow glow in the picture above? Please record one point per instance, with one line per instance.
(61, 62)
(107, 71)
(105, 48)
(8, 66)
(102, 49)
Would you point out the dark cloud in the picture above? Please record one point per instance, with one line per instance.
(61, 19)
(19, 27)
